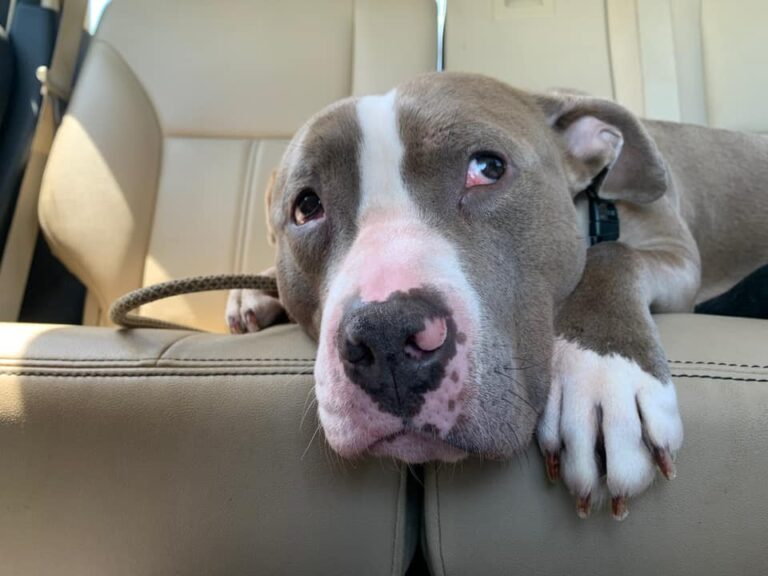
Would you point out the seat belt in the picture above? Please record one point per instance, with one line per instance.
(56, 86)
(9, 14)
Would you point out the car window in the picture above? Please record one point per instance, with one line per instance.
(95, 10)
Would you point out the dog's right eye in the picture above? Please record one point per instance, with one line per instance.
(484, 168)
(307, 207)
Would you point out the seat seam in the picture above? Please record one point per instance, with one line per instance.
(244, 204)
(247, 202)
(217, 136)
(305, 360)
(713, 363)
(70, 359)
(711, 377)
(284, 359)
(153, 358)
(89, 374)
(398, 512)
(439, 523)
(170, 345)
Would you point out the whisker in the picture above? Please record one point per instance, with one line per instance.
(298, 375)
(306, 410)
(310, 442)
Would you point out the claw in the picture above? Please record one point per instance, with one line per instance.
(235, 326)
(664, 461)
(584, 506)
(553, 466)
(619, 508)
(250, 320)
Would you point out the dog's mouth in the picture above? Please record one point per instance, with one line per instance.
(415, 447)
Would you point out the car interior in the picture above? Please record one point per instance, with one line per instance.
(154, 451)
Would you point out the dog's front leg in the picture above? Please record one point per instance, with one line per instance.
(254, 310)
(612, 411)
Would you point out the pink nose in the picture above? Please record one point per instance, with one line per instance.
(433, 336)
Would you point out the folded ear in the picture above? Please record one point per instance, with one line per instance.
(599, 135)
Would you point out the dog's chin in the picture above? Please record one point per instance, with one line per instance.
(415, 448)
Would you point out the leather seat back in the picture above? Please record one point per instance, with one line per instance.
(697, 61)
(183, 109)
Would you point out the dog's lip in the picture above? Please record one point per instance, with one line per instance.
(415, 446)
(390, 437)
(405, 431)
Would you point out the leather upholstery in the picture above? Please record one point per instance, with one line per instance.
(160, 166)
(734, 64)
(502, 518)
(697, 61)
(535, 45)
(163, 452)
(168, 452)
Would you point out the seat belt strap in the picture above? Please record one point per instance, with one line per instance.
(61, 73)
(56, 87)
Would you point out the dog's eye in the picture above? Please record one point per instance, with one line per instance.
(484, 168)
(307, 207)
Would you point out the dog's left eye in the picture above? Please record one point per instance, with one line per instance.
(307, 207)
(484, 168)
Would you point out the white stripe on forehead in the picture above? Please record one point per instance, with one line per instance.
(381, 155)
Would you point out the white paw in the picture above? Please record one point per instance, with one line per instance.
(606, 416)
(252, 310)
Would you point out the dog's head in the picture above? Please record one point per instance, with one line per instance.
(426, 238)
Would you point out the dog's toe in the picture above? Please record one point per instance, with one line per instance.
(607, 419)
(253, 310)
(234, 321)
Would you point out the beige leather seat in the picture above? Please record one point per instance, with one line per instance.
(696, 61)
(154, 452)
(163, 452)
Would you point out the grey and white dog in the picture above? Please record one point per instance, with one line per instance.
(431, 240)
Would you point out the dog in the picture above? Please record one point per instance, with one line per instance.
(433, 240)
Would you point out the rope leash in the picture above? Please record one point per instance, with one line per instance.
(120, 311)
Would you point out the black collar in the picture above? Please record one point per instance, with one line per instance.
(603, 215)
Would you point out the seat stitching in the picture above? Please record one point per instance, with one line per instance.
(168, 347)
(153, 358)
(304, 360)
(713, 363)
(88, 374)
(70, 359)
(710, 377)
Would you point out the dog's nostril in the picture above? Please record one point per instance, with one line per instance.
(357, 353)
(433, 336)
(430, 339)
